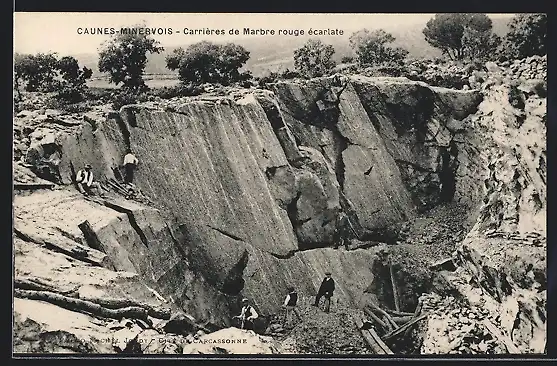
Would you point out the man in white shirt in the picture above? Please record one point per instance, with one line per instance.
(85, 183)
(130, 162)
(289, 305)
(247, 315)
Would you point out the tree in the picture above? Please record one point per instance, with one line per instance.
(527, 36)
(479, 45)
(37, 71)
(71, 73)
(124, 57)
(371, 47)
(207, 62)
(74, 79)
(314, 58)
(461, 35)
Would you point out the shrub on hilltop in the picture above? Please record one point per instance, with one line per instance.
(372, 48)
(314, 59)
(527, 37)
(207, 62)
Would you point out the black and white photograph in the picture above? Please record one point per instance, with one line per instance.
(194, 184)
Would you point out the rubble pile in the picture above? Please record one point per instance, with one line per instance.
(449, 75)
(534, 67)
(328, 333)
(456, 327)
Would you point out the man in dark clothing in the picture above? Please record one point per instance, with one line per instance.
(342, 231)
(290, 305)
(326, 289)
(247, 315)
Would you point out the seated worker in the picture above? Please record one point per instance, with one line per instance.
(85, 183)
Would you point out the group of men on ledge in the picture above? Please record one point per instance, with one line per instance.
(87, 185)
(248, 314)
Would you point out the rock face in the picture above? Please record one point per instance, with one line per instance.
(501, 263)
(243, 191)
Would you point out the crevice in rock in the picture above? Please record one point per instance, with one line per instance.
(131, 219)
(415, 166)
(271, 170)
(292, 211)
(233, 284)
(124, 127)
(339, 161)
(176, 242)
(225, 233)
(68, 235)
(447, 175)
(288, 255)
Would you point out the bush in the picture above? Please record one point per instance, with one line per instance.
(516, 98)
(372, 47)
(527, 37)
(289, 74)
(314, 58)
(98, 94)
(70, 94)
(347, 59)
(270, 77)
(122, 98)
(54, 102)
(180, 90)
(540, 88)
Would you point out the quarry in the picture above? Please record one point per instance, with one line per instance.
(238, 188)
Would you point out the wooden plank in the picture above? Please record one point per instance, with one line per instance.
(386, 315)
(379, 341)
(395, 289)
(399, 313)
(404, 327)
(371, 338)
(390, 326)
(74, 304)
(33, 186)
(418, 308)
(400, 320)
(511, 347)
(376, 319)
(416, 313)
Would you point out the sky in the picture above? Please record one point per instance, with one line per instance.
(58, 32)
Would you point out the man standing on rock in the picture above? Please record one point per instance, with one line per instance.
(341, 230)
(247, 315)
(326, 289)
(85, 183)
(130, 163)
(290, 305)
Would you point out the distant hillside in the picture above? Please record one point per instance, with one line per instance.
(274, 53)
